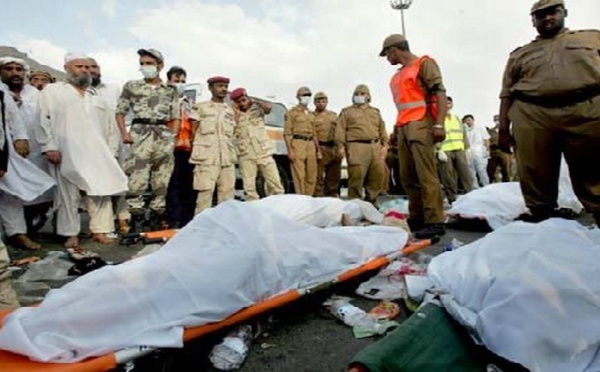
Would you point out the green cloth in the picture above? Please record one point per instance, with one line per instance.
(430, 340)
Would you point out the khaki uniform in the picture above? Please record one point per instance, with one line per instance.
(150, 159)
(300, 127)
(416, 152)
(361, 130)
(498, 158)
(555, 88)
(255, 152)
(329, 167)
(213, 153)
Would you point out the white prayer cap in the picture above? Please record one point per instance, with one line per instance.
(19, 61)
(73, 56)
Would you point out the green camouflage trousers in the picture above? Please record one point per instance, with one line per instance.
(150, 163)
(8, 296)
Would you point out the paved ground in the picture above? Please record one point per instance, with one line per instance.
(301, 337)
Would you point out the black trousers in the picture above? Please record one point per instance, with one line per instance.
(181, 196)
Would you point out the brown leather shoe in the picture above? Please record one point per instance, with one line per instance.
(22, 241)
(102, 238)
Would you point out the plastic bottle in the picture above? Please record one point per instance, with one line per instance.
(233, 350)
(453, 245)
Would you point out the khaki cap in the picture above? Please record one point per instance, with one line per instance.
(362, 88)
(320, 95)
(302, 91)
(152, 53)
(544, 4)
(391, 41)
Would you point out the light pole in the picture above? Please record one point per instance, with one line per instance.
(401, 5)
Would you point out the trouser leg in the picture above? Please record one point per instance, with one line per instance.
(268, 168)
(101, 216)
(12, 215)
(248, 171)
(226, 184)
(8, 296)
(205, 179)
(161, 171)
(66, 203)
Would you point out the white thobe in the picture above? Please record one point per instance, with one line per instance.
(24, 181)
(478, 154)
(72, 123)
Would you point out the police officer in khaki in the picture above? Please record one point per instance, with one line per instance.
(254, 147)
(153, 103)
(551, 95)
(361, 136)
(329, 167)
(302, 144)
(213, 151)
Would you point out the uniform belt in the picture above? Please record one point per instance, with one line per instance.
(572, 98)
(327, 143)
(149, 121)
(365, 141)
(302, 137)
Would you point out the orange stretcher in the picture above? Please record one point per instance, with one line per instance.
(10, 362)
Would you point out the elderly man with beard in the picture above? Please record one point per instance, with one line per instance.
(13, 72)
(72, 120)
(551, 95)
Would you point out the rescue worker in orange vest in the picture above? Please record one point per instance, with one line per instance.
(181, 196)
(420, 97)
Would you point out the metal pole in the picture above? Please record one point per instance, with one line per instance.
(403, 29)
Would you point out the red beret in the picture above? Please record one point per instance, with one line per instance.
(218, 79)
(237, 93)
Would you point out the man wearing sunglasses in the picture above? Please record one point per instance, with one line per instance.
(551, 95)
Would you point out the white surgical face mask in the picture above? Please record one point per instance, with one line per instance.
(304, 100)
(359, 100)
(180, 87)
(149, 71)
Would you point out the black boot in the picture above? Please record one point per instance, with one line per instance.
(415, 225)
(430, 231)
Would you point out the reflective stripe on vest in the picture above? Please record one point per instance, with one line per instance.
(455, 139)
(408, 96)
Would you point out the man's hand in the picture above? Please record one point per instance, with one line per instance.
(504, 141)
(127, 139)
(319, 155)
(341, 153)
(236, 113)
(439, 134)
(291, 156)
(22, 147)
(54, 157)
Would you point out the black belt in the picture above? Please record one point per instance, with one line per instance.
(364, 141)
(569, 99)
(327, 143)
(149, 121)
(302, 137)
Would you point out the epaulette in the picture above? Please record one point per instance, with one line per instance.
(589, 30)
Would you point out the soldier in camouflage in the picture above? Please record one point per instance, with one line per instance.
(153, 104)
(254, 148)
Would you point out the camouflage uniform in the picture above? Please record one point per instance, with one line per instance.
(8, 297)
(150, 157)
(213, 153)
(255, 152)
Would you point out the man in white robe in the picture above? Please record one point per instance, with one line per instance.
(72, 120)
(13, 72)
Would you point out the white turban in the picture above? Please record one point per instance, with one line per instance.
(19, 61)
(73, 56)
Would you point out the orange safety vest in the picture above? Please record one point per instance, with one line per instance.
(409, 97)
(183, 138)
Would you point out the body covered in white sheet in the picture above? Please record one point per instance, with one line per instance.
(229, 257)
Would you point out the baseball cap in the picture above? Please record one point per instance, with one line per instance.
(152, 53)
(391, 41)
(544, 4)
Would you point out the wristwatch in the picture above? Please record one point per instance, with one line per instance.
(440, 126)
